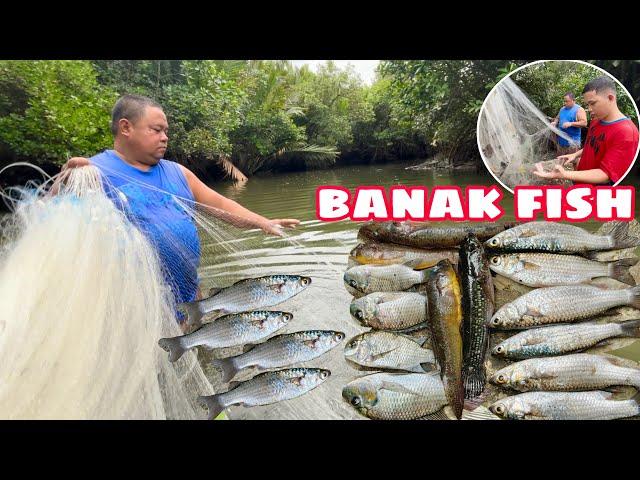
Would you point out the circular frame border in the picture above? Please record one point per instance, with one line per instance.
(542, 61)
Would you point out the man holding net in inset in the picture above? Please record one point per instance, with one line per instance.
(570, 119)
(611, 144)
(162, 197)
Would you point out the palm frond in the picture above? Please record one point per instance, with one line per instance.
(312, 155)
(230, 169)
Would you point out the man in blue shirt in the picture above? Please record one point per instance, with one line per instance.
(145, 186)
(570, 119)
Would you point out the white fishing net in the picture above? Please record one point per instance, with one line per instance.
(82, 306)
(514, 135)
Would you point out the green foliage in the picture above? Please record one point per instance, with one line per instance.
(51, 110)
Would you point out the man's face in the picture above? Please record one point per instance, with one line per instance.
(148, 136)
(568, 101)
(599, 104)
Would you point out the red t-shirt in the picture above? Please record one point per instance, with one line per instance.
(610, 146)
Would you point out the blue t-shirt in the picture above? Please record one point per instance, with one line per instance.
(164, 222)
(569, 115)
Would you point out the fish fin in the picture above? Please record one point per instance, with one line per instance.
(631, 328)
(428, 367)
(213, 404)
(214, 290)
(533, 312)
(529, 266)
(621, 237)
(635, 303)
(471, 404)
(277, 287)
(383, 354)
(396, 387)
(412, 328)
(417, 264)
(615, 361)
(527, 233)
(439, 415)
(173, 346)
(415, 369)
(533, 341)
(620, 271)
(227, 366)
(474, 382)
(247, 348)
(310, 343)
(194, 314)
(233, 385)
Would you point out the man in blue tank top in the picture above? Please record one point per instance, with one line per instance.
(570, 119)
(144, 185)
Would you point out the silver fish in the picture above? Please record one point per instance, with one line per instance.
(576, 372)
(561, 237)
(281, 351)
(548, 270)
(561, 339)
(228, 331)
(384, 278)
(389, 351)
(561, 304)
(245, 295)
(596, 405)
(266, 388)
(396, 396)
(390, 310)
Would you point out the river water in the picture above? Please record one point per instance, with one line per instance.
(319, 250)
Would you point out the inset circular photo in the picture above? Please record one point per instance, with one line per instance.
(558, 122)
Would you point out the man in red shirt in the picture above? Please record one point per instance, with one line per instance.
(611, 143)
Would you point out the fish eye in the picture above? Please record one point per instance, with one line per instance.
(355, 401)
(495, 260)
(287, 317)
(339, 336)
(305, 281)
(501, 379)
(494, 242)
(495, 322)
(500, 409)
(359, 315)
(498, 350)
(353, 344)
(324, 374)
(353, 283)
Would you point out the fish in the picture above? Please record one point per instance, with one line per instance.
(444, 307)
(396, 396)
(228, 331)
(383, 278)
(574, 372)
(265, 389)
(569, 303)
(561, 339)
(373, 253)
(561, 238)
(428, 235)
(281, 351)
(390, 310)
(389, 351)
(245, 295)
(596, 405)
(478, 301)
(549, 270)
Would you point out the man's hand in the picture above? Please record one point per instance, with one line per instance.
(274, 227)
(76, 162)
(567, 125)
(558, 171)
(565, 159)
(554, 123)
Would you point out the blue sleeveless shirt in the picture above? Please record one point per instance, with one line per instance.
(164, 222)
(569, 115)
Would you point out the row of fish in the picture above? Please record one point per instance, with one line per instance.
(244, 323)
(397, 287)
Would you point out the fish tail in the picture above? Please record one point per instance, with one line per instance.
(194, 314)
(620, 271)
(213, 404)
(174, 346)
(635, 301)
(474, 382)
(228, 367)
(621, 237)
(630, 328)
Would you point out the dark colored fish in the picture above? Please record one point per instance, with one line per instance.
(428, 235)
(445, 320)
(477, 309)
